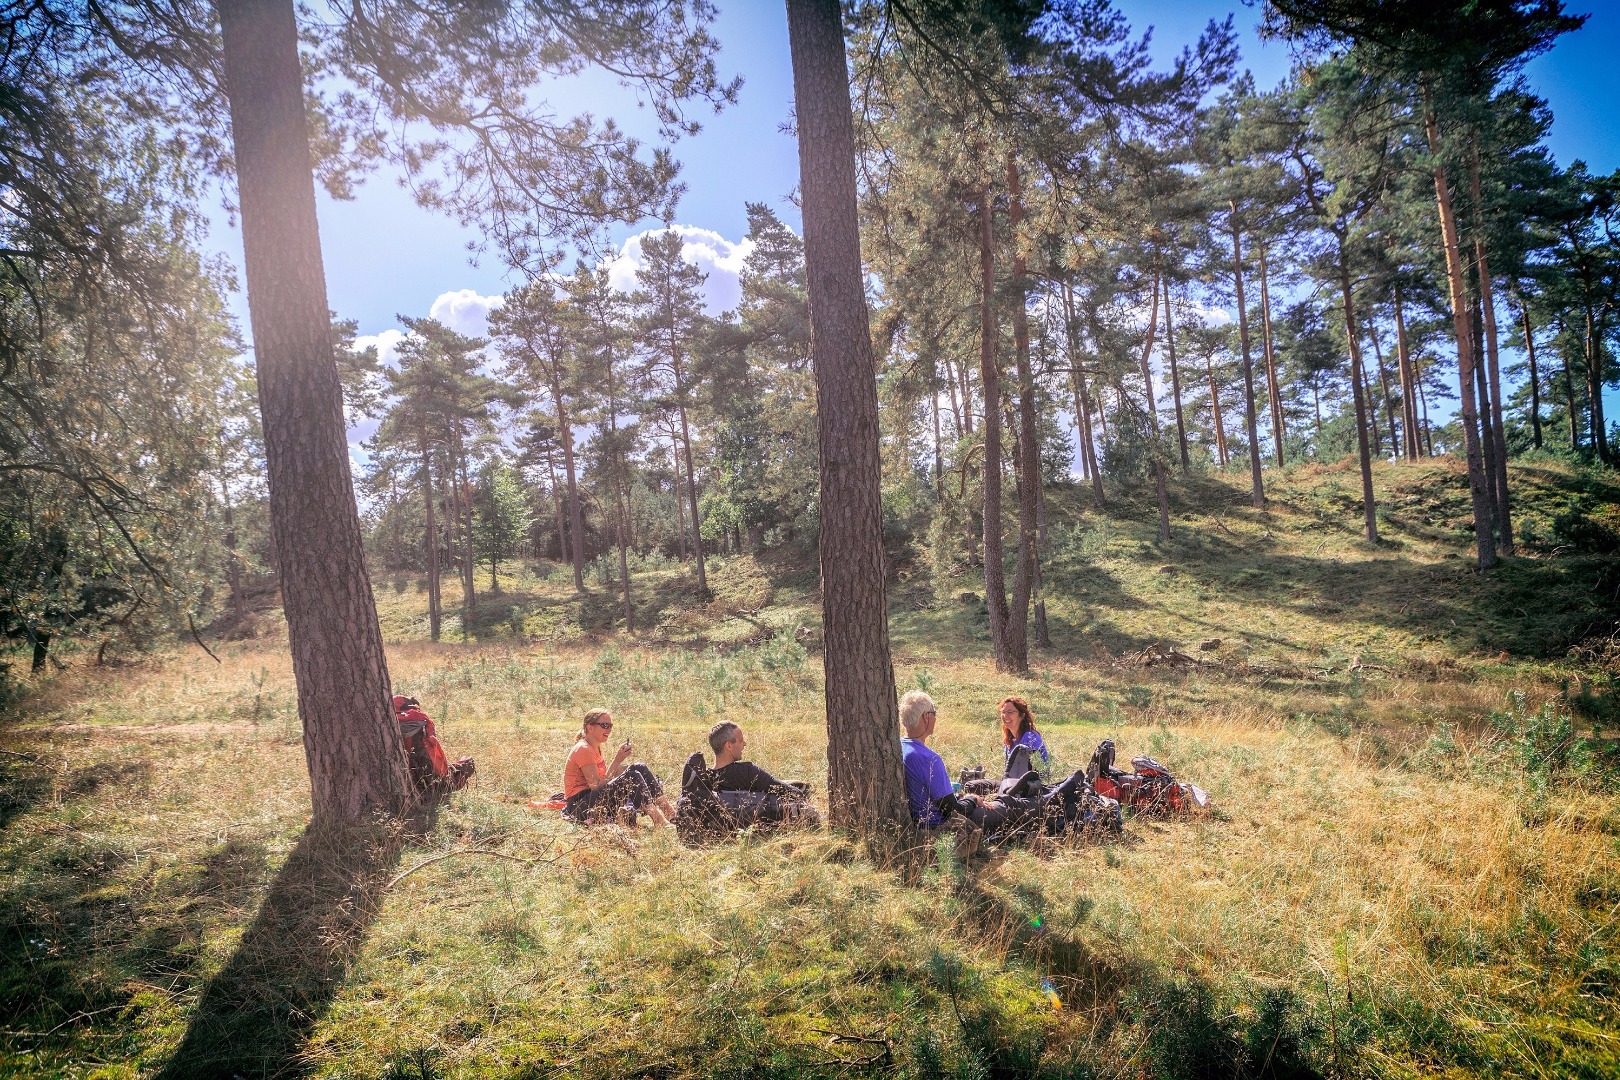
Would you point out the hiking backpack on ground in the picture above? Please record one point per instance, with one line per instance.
(1150, 788)
(431, 770)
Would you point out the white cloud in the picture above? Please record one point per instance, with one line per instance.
(706, 249)
(386, 344)
(1212, 316)
(464, 311)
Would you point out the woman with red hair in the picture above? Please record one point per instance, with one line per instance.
(1018, 730)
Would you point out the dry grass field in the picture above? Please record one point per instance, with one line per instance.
(1413, 868)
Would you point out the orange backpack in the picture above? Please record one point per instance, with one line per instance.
(430, 768)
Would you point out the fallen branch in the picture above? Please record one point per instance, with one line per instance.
(451, 854)
(30, 758)
(479, 851)
(865, 1040)
(1160, 653)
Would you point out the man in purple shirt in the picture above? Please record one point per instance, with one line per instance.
(928, 784)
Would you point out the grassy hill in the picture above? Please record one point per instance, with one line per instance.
(1414, 869)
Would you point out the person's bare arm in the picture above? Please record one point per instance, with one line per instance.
(593, 776)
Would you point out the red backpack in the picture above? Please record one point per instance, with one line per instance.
(430, 768)
(1148, 788)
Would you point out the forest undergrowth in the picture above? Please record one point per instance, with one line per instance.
(1414, 867)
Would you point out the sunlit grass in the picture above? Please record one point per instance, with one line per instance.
(1414, 867)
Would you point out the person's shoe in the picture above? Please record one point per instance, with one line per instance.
(967, 843)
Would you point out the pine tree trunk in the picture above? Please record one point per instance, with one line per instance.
(1403, 362)
(1535, 377)
(995, 584)
(431, 540)
(865, 787)
(576, 517)
(1160, 487)
(1594, 387)
(1028, 446)
(1464, 331)
(680, 504)
(1369, 508)
(1428, 431)
(1274, 390)
(1499, 474)
(1488, 443)
(956, 406)
(939, 452)
(351, 740)
(621, 502)
(469, 588)
(1082, 400)
(1215, 412)
(1569, 401)
(1249, 422)
(1175, 381)
(1043, 636)
(1372, 412)
(1395, 431)
(1487, 301)
(691, 483)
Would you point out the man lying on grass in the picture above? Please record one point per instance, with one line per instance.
(731, 773)
(736, 794)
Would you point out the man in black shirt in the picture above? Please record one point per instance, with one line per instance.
(731, 773)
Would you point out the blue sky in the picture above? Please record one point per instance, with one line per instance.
(384, 255)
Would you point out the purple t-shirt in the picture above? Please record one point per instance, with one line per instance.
(1031, 739)
(926, 781)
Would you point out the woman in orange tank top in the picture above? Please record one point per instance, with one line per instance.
(594, 789)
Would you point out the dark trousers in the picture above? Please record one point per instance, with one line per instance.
(635, 787)
(1063, 801)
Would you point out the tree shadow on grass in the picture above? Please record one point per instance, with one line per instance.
(256, 1014)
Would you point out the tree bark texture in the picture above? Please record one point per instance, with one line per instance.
(1493, 417)
(1383, 382)
(1082, 399)
(1535, 376)
(1249, 424)
(1499, 473)
(356, 761)
(1215, 412)
(576, 517)
(865, 785)
(995, 580)
(1594, 386)
(1029, 456)
(1488, 443)
(1175, 381)
(1368, 506)
(1159, 485)
(1403, 361)
(431, 540)
(1273, 388)
(1485, 545)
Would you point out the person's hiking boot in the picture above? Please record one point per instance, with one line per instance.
(967, 843)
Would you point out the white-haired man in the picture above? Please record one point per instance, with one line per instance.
(928, 784)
